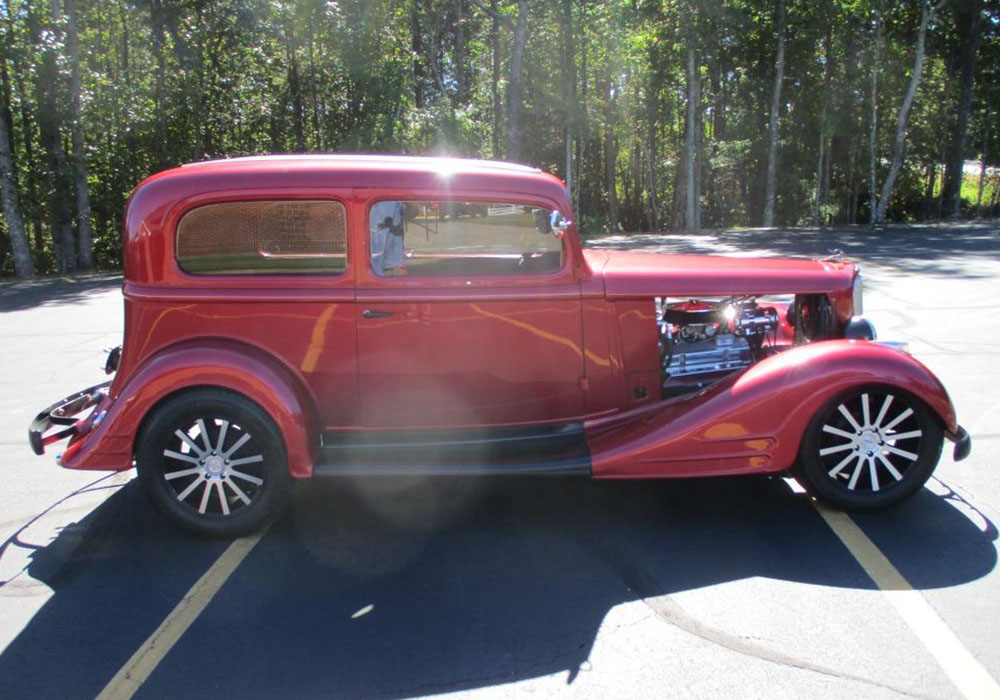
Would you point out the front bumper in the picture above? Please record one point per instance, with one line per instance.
(65, 415)
(963, 442)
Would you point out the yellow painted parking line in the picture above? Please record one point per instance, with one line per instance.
(144, 661)
(959, 664)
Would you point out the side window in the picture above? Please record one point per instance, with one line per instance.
(461, 239)
(264, 237)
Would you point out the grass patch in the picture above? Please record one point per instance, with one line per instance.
(970, 188)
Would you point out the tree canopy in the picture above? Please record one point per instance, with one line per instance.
(659, 114)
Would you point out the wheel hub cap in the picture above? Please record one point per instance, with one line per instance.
(215, 466)
(870, 442)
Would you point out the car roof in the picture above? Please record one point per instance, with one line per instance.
(359, 170)
(364, 161)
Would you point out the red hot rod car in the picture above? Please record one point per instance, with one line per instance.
(293, 316)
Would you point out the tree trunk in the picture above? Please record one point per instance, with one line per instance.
(828, 169)
(873, 124)
(699, 153)
(203, 136)
(690, 200)
(295, 88)
(716, 195)
(417, 51)
(610, 161)
(846, 147)
(495, 87)
(852, 187)
(940, 200)
(982, 162)
(24, 266)
(904, 113)
(435, 53)
(654, 206)
(515, 101)
(678, 195)
(719, 130)
(313, 93)
(461, 78)
(83, 234)
(583, 200)
(32, 210)
(49, 128)
(929, 180)
(820, 165)
(569, 78)
(952, 191)
(772, 146)
(156, 18)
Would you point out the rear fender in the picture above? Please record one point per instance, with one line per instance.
(223, 364)
(754, 422)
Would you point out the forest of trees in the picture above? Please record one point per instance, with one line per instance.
(659, 114)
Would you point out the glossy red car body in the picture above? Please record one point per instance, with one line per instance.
(577, 346)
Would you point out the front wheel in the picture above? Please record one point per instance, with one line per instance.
(213, 462)
(870, 448)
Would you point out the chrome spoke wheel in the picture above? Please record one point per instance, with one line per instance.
(213, 462)
(200, 466)
(869, 448)
(870, 441)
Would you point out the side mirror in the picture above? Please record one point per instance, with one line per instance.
(558, 223)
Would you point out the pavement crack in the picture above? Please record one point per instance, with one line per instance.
(669, 611)
(633, 623)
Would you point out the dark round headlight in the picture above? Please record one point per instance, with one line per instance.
(859, 328)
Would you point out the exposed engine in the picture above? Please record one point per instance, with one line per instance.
(699, 337)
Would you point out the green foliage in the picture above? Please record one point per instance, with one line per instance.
(171, 81)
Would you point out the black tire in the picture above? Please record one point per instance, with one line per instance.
(227, 481)
(882, 454)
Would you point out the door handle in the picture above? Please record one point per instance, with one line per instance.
(371, 313)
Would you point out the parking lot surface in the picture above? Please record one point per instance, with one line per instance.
(513, 587)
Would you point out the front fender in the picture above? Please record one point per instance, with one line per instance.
(232, 366)
(754, 422)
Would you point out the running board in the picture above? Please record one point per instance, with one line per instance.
(578, 466)
(567, 435)
(554, 450)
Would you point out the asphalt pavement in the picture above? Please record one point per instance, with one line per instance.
(512, 587)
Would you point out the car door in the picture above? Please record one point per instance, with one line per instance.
(468, 314)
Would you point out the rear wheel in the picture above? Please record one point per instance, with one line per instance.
(213, 462)
(870, 448)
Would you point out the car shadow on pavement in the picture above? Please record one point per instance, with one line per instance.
(367, 589)
(54, 291)
(110, 589)
(938, 250)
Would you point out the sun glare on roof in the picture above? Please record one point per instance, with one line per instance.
(446, 167)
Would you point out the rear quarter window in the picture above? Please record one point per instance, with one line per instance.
(264, 237)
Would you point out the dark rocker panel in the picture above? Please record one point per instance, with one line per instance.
(536, 450)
